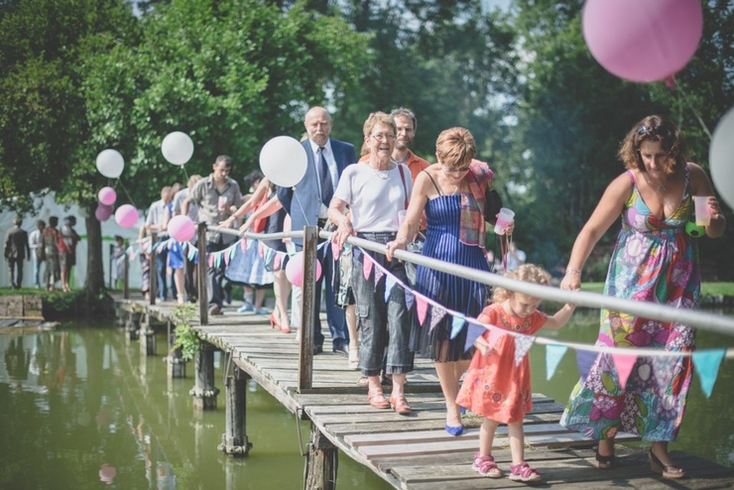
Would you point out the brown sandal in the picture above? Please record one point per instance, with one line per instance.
(400, 404)
(670, 472)
(377, 399)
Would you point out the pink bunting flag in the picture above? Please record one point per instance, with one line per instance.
(624, 364)
(335, 251)
(243, 244)
(211, 260)
(227, 257)
(522, 346)
(437, 314)
(495, 334)
(379, 272)
(421, 306)
(277, 261)
(261, 250)
(367, 266)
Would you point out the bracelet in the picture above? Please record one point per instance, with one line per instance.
(573, 271)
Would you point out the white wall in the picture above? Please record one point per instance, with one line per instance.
(49, 208)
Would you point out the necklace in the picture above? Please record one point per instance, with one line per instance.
(658, 187)
(382, 173)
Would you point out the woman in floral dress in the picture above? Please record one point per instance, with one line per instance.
(654, 260)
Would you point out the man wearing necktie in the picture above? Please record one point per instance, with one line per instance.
(308, 206)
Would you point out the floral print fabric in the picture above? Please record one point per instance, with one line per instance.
(654, 260)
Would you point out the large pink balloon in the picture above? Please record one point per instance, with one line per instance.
(103, 212)
(643, 40)
(294, 270)
(126, 216)
(181, 228)
(107, 195)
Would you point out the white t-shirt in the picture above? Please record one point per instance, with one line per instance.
(374, 201)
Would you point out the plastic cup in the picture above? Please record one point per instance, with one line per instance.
(504, 218)
(703, 214)
(401, 217)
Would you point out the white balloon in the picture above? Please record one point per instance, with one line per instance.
(177, 148)
(110, 163)
(721, 158)
(283, 161)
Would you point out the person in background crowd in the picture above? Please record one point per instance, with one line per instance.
(215, 196)
(67, 250)
(155, 222)
(38, 255)
(190, 281)
(654, 260)
(16, 251)
(51, 239)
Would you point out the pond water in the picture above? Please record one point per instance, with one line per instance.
(80, 407)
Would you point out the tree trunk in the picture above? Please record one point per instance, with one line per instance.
(95, 270)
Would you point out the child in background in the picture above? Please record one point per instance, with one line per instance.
(494, 386)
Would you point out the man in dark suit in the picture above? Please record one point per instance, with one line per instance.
(16, 251)
(308, 205)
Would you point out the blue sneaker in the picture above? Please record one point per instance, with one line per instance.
(262, 311)
(245, 309)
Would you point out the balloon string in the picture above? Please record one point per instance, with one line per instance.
(126, 193)
(186, 174)
(305, 218)
(695, 112)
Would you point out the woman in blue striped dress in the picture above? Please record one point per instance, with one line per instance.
(452, 194)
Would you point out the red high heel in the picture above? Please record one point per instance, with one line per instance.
(274, 322)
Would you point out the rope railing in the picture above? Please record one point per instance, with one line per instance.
(695, 318)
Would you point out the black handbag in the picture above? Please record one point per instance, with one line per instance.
(492, 206)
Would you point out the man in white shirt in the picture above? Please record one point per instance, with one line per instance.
(35, 241)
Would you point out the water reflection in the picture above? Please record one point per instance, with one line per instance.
(81, 408)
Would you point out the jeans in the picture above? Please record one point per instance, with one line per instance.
(37, 276)
(384, 325)
(215, 275)
(160, 265)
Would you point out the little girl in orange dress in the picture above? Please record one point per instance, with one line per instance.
(495, 386)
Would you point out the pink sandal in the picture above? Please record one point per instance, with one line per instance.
(524, 473)
(486, 466)
(377, 399)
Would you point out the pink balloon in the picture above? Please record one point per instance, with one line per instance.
(181, 228)
(126, 216)
(103, 212)
(643, 41)
(294, 270)
(107, 195)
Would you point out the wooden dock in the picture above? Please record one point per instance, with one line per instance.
(414, 452)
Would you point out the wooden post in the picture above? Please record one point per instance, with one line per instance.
(132, 326)
(153, 291)
(204, 391)
(308, 308)
(322, 462)
(234, 440)
(147, 339)
(175, 363)
(202, 271)
(126, 272)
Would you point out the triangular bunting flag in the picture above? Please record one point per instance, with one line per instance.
(522, 346)
(389, 284)
(378, 275)
(278, 260)
(707, 364)
(261, 249)
(335, 250)
(367, 266)
(495, 334)
(409, 299)
(457, 324)
(553, 355)
(243, 244)
(437, 314)
(211, 260)
(584, 360)
(473, 331)
(421, 306)
(624, 364)
(227, 259)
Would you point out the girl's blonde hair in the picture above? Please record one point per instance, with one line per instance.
(526, 272)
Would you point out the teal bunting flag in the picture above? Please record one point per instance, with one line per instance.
(389, 284)
(707, 364)
(553, 355)
(457, 325)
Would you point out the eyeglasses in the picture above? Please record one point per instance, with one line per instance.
(457, 170)
(383, 137)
